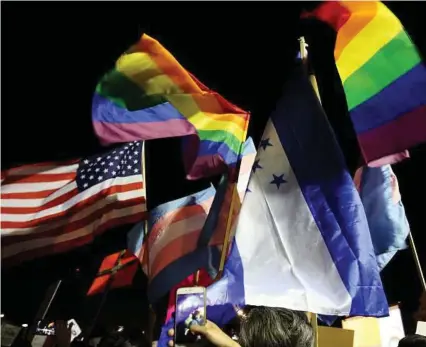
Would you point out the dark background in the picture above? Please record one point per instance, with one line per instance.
(53, 54)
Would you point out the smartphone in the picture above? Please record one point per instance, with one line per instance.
(48, 328)
(45, 328)
(190, 309)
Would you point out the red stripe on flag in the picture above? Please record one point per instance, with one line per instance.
(85, 203)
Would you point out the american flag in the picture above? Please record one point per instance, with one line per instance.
(54, 207)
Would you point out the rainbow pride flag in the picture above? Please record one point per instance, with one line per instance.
(383, 77)
(149, 95)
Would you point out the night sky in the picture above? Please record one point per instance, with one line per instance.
(53, 54)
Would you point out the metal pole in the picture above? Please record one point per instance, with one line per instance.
(417, 261)
(44, 308)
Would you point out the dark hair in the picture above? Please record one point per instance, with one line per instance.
(413, 341)
(275, 327)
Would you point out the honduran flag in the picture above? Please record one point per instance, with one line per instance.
(302, 240)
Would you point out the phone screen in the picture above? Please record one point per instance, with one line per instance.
(190, 309)
(45, 328)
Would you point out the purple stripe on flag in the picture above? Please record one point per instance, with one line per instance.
(104, 110)
(405, 132)
(124, 132)
(407, 93)
(210, 159)
(330, 193)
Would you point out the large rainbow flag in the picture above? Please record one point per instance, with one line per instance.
(383, 77)
(149, 95)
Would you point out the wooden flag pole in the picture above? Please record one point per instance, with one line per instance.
(313, 80)
(417, 261)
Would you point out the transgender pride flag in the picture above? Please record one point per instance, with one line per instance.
(186, 234)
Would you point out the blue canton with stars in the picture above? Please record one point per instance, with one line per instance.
(123, 161)
(278, 180)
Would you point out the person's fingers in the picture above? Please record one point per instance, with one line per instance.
(171, 343)
(171, 332)
(198, 329)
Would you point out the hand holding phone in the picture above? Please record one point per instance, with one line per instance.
(190, 311)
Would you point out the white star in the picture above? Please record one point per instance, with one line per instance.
(129, 167)
(114, 152)
(109, 157)
(85, 185)
(135, 170)
(86, 161)
(89, 169)
(123, 172)
(113, 173)
(130, 157)
(91, 177)
(122, 162)
(98, 158)
(82, 170)
(118, 167)
(91, 164)
(136, 143)
(136, 152)
(106, 170)
(135, 161)
(97, 169)
(103, 163)
(100, 178)
(126, 147)
(111, 164)
(83, 176)
(116, 157)
(121, 152)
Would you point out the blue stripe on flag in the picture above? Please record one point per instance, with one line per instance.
(330, 193)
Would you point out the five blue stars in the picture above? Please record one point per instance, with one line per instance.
(278, 180)
(265, 143)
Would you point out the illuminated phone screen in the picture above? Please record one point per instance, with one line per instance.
(190, 309)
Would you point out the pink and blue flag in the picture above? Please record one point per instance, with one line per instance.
(379, 191)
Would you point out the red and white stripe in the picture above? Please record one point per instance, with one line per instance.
(43, 212)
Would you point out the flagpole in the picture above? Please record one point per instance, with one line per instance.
(417, 261)
(152, 316)
(105, 294)
(44, 308)
(234, 196)
(313, 80)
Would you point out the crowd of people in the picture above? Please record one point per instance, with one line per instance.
(255, 326)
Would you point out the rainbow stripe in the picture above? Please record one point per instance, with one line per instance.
(149, 95)
(383, 77)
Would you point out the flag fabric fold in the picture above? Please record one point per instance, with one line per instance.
(383, 77)
(50, 208)
(380, 196)
(206, 276)
(302, 239)
(149, 95)
(170, 252)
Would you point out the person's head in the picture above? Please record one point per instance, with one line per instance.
(275, 327)
(413, 341)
